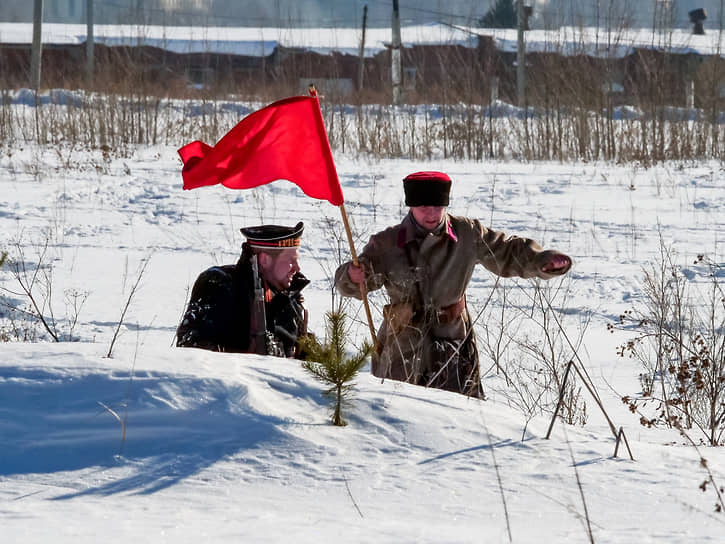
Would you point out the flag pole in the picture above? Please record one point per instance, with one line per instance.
(363, 287)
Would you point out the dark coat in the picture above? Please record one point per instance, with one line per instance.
(218, 316)
(425, 337)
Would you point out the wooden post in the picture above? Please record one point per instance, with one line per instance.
(520, 56)
(363, 288)
(620, 436)
(89, 42)
(361, 69)
(617, 434)
(397, 75)
(37, 51)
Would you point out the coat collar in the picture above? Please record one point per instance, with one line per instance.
(410, 230)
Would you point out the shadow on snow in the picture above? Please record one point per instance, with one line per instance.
(175, 425)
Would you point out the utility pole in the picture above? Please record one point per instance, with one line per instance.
(89, 42)
(719, 34)
(395, 55)
(520, 56)
(37, 50)
(361, 72)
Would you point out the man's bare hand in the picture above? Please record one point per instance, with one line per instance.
(356, 273)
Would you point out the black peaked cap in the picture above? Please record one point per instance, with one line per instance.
(274, 236)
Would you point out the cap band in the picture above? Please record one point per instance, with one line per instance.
(289, 242)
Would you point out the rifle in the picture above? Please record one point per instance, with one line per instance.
(262, 341)
(258, 317)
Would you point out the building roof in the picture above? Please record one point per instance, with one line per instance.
(262, 41)
(600, 42)
(238, 40)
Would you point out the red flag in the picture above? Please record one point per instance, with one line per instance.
(285, 140)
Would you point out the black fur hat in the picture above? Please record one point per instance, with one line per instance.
(427, 189)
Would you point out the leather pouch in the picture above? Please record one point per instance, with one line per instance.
(398, 316)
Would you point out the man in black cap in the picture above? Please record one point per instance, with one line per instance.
(254, 306)
(425, 264)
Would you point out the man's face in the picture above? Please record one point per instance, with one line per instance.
(428, 217)
(279, 267)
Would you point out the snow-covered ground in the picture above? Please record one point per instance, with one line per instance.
(238, 448)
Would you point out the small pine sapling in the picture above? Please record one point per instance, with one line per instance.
(328, 364)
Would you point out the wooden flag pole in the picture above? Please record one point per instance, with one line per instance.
(363, 287)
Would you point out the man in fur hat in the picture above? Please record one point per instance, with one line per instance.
(425, 264)
(254, 306)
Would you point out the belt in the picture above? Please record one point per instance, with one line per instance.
(443, 315)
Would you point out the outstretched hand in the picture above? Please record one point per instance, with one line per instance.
(558, 263)
(356, 273)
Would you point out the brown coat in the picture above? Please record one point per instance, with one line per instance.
(425, 276)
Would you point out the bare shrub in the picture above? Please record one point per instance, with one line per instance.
(475, 129)
(710, 480)
(17, 324)
(575, 91)
(679, 343)
(549, 348)
(532, 360)
(131, 294)
(36, 287)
